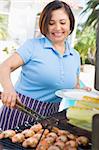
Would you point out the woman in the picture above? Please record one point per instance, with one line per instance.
(48, 64)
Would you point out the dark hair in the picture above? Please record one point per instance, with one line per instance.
(46, 15)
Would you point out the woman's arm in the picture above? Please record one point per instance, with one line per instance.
(9, 95)
(78, 85)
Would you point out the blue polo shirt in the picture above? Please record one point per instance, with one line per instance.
(45, 70)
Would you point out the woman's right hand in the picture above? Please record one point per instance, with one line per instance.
(9, 98)
(9, 94)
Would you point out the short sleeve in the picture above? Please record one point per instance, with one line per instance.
(25, 51)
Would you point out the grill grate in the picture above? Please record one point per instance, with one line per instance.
(6, 144)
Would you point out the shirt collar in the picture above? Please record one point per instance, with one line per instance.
(47, 43)
(68, 51)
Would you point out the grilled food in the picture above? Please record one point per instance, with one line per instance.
(50, 140)
(28, 133)
(30, 142)
(18, 138)
(7, 134)
(36, 127)
(82, 113)
(81, 117)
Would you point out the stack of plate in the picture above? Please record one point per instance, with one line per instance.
(70, 96)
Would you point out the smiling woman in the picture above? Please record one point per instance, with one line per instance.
(59, 29)
(48, 64)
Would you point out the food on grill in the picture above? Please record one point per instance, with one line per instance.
(7, 134)
(38, 135)
(81, 116)
(81, 113)
(52, 134)
(60, 144)
(63, 132)
(28, 133)
(43, 145)
(36, 127)
(19, 137)
(54, 147)
(71, 145)
(70, 148)
(82, 140)
(30, 142)
(49, 140)
(46, 131)
(55, 130)
(46, 139)
(62, 138)
(71, 136)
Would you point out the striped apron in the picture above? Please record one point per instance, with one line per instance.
(10, 118)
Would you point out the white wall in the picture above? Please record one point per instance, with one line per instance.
(22, 19)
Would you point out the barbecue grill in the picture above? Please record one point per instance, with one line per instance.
(58, 120)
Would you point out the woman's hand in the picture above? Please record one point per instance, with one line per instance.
(9, 98)
(9, 95)
(87, 88)
(84, 88)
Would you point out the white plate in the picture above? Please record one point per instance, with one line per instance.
(75, 93)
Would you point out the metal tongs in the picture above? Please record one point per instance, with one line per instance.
(28, 111)
(39, 118)
(46, 122)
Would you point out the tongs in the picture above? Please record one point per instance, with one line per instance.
(39, 118)
(28, 111)
(46, 122)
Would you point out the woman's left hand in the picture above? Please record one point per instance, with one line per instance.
(87, 88)
(84, 88)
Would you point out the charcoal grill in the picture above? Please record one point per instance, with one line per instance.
(6, 144)
(58, 119)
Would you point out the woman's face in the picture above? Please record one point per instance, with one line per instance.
(59, 26)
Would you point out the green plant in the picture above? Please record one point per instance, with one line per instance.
(86, 37)
(86, 43)
(93, 8)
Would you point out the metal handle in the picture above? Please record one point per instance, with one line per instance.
(28, 111)
(35, 115)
